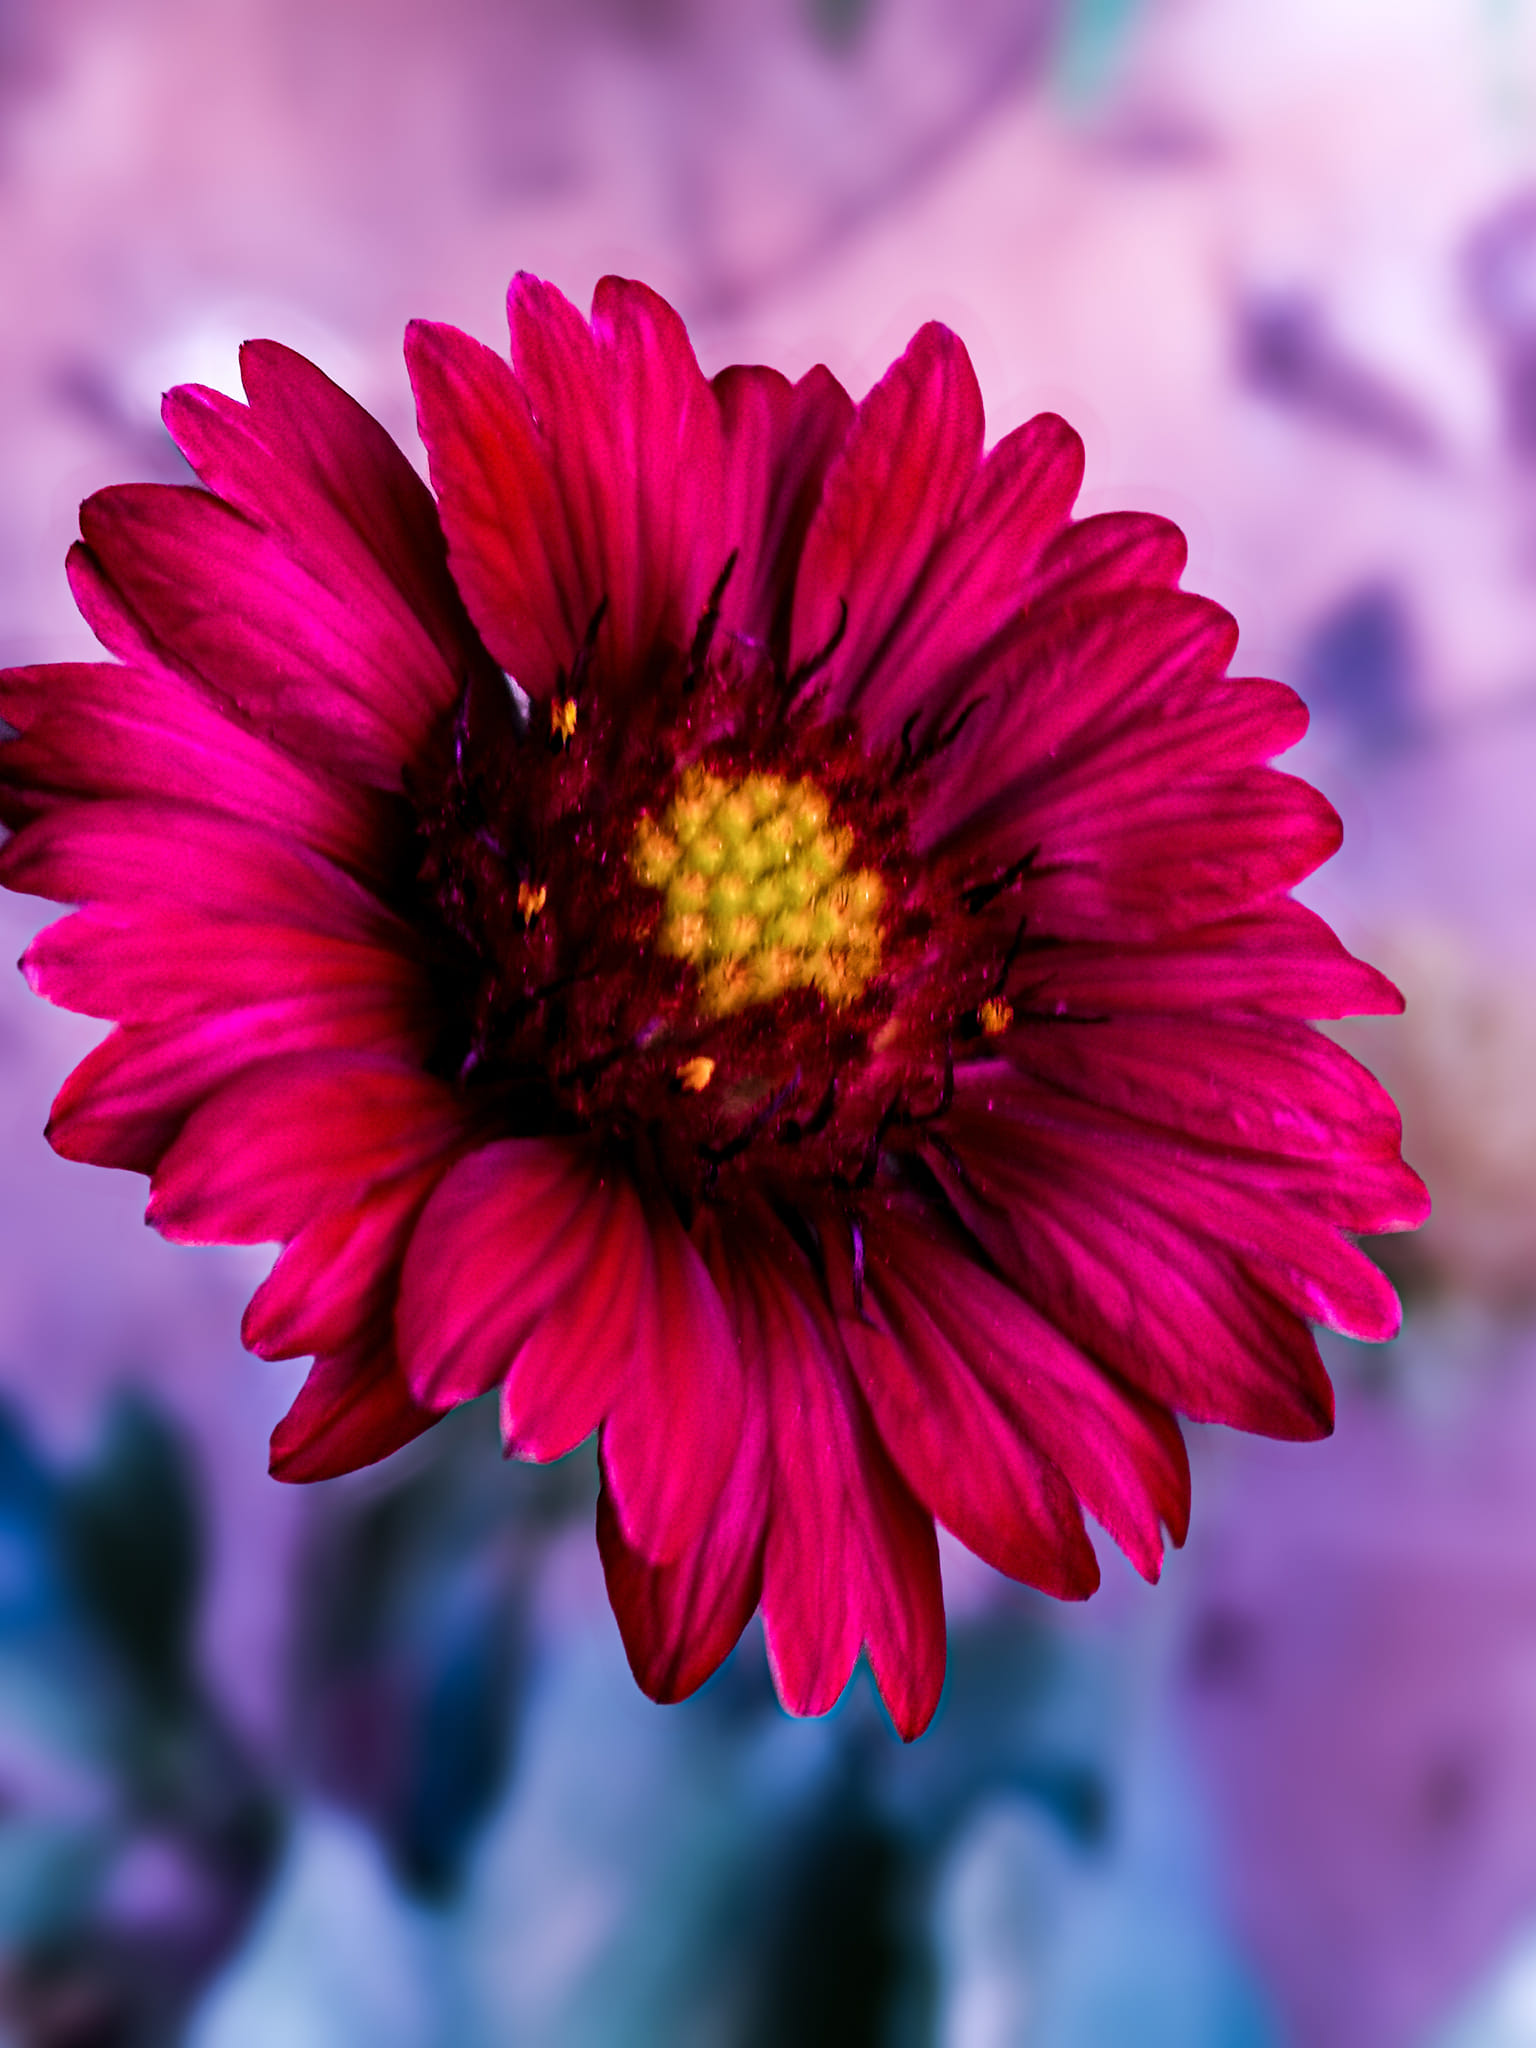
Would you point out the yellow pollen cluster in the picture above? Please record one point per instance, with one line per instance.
(757, 890)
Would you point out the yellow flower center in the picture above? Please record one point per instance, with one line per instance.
(757, 891)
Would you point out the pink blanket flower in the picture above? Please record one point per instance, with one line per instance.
(742, 926)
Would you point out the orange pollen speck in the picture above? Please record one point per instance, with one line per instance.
(531, 900)
(996, 1014)
(562, 718)
(695, 1075)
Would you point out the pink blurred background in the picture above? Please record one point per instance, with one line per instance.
(1278, 266)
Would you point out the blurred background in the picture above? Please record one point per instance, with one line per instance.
(363, 1764)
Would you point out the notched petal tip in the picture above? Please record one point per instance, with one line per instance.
(1393, 1001)
(533, 298)
(911, 1698)
(1311, 1419)
(680, 1622)
(433, 339)
(1421, 1208)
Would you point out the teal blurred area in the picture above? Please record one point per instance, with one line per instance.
(364, 1764)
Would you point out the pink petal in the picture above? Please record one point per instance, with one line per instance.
(354, 1409)
(1133, 855)
(903, 1594)
(890, 496)
(179, 578)
(1174, 1313)
(568, 1371)
(340, 1269)
(593, 476)
(97, 730)
(536, 1263)
(667, 435)
(1278, 957)
(140, 966)
(955, 1325)
(307, 463)
(290, 1138)
(1278, 1091)
(514, 550)
(506, 1233)
(1118, 755)
(977, 580)
(116, 853)
(960, 1443)
(1072, 681)
(779, 439)
(634, 443)
(851, 1558)
(1303, 1261)
(1181, 1232)
(680, 1621)
(126, 1101)
(1013, 1143)
(1110, 551)
(672, 1432)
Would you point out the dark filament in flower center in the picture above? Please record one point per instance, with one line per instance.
(684, 917)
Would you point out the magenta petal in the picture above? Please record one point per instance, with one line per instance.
(345, 456)
(1186, 1270)
(680, 1621)
(1110, 551)
(309, 464)
(1137, 863)
(1278, 957)
(354, 1409)
(96, 730)
(148, 968)
(113, 852)
(1021, 1156)
(503, 1237)
(903, 1596)
(635, 449)
(672, 1432)
(340, 1269)
(514, 545)
(975, 582)
(779, 439)
(1275, 1090)
(1181, 1320)
(961, 1445)
(568, 1371)
(1127, 676)
(1031, 1390)
(670, 451)
(125, 1102)
(292, 1138)
(179, 577)
(536, 1264)
(890, 496)
(1124, 767)
(851, 1557)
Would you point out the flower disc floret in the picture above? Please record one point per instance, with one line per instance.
(759, 896)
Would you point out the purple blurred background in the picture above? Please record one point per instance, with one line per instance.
(364, 1764)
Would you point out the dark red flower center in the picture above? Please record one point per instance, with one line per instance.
(686, 916)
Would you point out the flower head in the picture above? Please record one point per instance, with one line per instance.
(740, 925)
